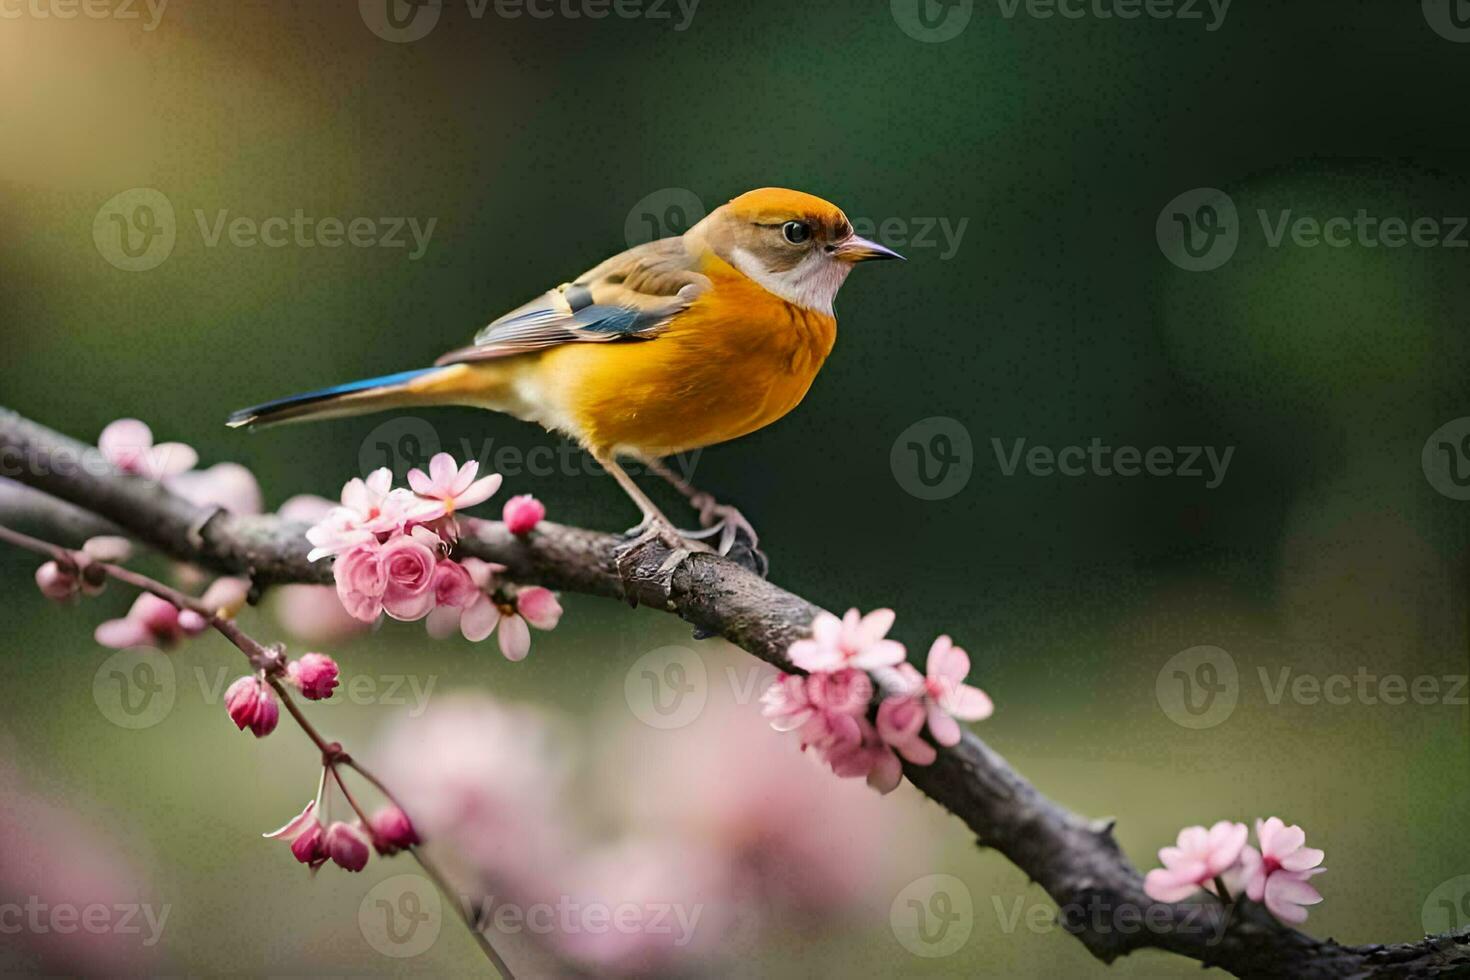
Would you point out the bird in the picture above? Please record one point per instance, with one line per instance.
(671, 346)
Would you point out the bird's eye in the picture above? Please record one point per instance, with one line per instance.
(795, 232)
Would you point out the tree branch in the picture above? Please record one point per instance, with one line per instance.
(1098, 891)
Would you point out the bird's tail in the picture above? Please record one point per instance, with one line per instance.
(422, 387)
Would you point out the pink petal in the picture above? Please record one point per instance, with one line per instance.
(783, 722)
(479, 491)
(515, 638)
(1287, 840)
(1266, 831)
(875, 625)
(1168, 886)
(886, 773)
(356, 497)
(119, 634)
(296, 826)
(479, 620)
(947, 661)
(811, 655)
(379, 482)
(442, 470)
(539, 607)
(442, 622)
(946, 730)
(124, 440)
(882, 653)
(968, 703)
(169, 459)
(464, 477)
(420, 483)
(1302, 859)
(409, 608)
(827, 628)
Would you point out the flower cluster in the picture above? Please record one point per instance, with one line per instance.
(251, 701)
(393, 548)
(344, 843)
(1276, 875)
(829, 706)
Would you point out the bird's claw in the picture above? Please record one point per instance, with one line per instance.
(736, 539)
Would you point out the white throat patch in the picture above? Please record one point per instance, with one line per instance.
(813, 282)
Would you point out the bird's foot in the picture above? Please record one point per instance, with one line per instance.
(635, 570)
(733, 535)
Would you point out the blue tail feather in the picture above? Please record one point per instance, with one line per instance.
(283, 408)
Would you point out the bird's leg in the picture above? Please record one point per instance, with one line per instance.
(654, 527)
(737, 538)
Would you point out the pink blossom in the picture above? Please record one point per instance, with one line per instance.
(942, 696)
(150, 622)
(852, 641)
(1197, 858)
(346, 845)
(369, 508)
(786, 703)
(393, 831)
(128, 445)
(453, 488)
(314, 674)
(1277, 874)
(822, 707)
(407, 562)
(900, 719)
(227, 485)
(251, 703)
(522, 513)
(532, 606)
(304, 833)
(866, 756)
(361, 581)
(453, 585)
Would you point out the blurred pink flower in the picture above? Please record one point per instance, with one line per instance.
(1196, 859)
(407, 562)
(150, 622)
(522, 513)
(393, 831)
(865, 756)
(852, 641)
(314, 674)
(314, 614)
(346, 845)
(361, 581)
(487, 781)
(251, 703)
(128, 445)
(227, 485)
(1277, 874)
(452, 487)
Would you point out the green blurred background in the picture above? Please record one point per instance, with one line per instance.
(1052, 146)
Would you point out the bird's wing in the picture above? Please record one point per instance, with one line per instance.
(631, 296)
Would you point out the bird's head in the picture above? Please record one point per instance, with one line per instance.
(797, 246)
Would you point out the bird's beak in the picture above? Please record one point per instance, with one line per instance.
(856, 249)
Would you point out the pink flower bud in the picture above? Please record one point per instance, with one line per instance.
(392, 831)
(315, 674)
(522, 514)
(250, 702)
(308, 848)
(347, 845)
(54, 583)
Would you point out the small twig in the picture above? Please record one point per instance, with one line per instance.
(272, 663)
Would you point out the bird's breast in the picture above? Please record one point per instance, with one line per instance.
(737, 360)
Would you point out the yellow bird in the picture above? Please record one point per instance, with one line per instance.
(671, 346)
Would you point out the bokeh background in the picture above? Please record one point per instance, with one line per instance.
(1057, 308)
